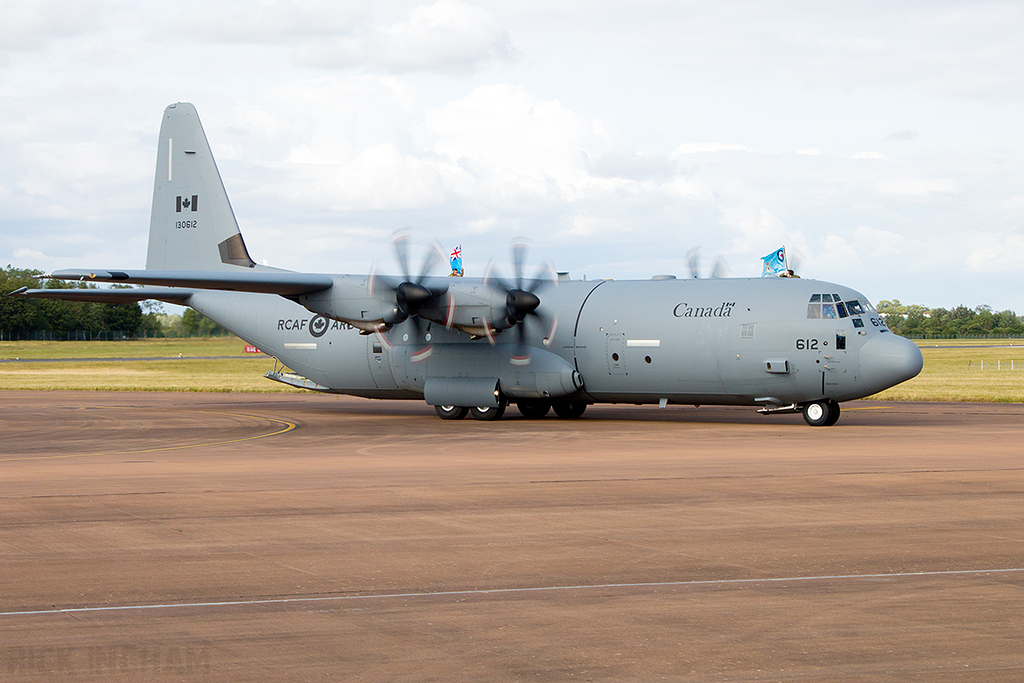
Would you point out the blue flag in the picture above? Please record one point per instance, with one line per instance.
(774, 262)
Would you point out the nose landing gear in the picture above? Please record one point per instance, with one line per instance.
(823, 413)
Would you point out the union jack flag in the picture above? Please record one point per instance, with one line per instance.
(456, 259)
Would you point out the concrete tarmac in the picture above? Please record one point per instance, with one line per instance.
(234, 537)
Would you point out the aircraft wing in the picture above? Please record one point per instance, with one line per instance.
(274, 282)
(108, 296)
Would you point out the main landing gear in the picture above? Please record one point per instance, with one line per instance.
(530, 408)
(484, 413)
(823, 413)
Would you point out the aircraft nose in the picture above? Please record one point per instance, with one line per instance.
(887, 360)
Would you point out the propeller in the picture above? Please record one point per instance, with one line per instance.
(720, 269)
(795, 261)
(410, 294)
(522, 303)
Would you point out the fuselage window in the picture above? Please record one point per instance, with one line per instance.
(854, 307)
(842, 309)
(826, 297)
(828, 311)
(814, 310)
(857, 322)
(815, 298)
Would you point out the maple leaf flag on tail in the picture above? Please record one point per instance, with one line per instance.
(774, 262)
(186, 204)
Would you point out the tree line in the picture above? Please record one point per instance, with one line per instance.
(56, 319)
(914, 320)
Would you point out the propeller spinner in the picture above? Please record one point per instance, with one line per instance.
(410, 294)
(522, 303)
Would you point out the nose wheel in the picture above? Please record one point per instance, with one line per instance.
(822, 413)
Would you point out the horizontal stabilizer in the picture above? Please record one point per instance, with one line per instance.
(108, 296)
(283, 283)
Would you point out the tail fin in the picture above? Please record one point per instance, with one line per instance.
(192, 225)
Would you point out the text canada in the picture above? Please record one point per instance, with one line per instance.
(685, 310)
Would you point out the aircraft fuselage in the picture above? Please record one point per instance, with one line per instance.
(689, 341)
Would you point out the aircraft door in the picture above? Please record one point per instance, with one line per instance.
(380, 363)
(832, 356)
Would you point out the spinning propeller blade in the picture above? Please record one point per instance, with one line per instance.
(409, 292)
(521, 302)
(720, 269)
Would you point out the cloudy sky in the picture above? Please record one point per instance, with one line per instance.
(881, 142)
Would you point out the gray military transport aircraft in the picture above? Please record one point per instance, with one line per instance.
(472, 346)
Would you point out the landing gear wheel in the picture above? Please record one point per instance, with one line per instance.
(834, 415)
(489, 414)
(451, 412)
(533, 409)
(569, 409)
(821, 413)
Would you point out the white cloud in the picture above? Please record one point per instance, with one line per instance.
(704, 147)
(883, 243)
(30, 255)
(265, 21)
(446, 34)
(27, 26)
(508, 144)
(993, 252)
(810, 151)
(870, 155)
(917, 187)
(755, 229)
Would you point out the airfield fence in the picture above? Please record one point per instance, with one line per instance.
(68, 335)
(924, 337)
(85, 335)
(996, 365)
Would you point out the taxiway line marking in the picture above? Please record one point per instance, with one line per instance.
(510, 591)
(289, 426)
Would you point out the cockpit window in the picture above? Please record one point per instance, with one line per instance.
(832, 306)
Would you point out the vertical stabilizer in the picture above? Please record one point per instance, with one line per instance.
(192, 225)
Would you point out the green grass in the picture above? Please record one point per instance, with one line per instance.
(953, 371)
(141, 348)
(242, 373)
(952, 368)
